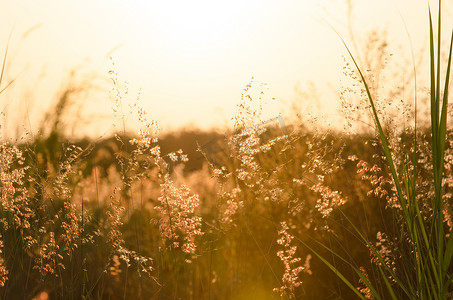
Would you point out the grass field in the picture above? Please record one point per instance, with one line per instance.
(273, 208)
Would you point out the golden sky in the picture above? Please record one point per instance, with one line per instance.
(190, 59)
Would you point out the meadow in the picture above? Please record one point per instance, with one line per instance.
(282, 207)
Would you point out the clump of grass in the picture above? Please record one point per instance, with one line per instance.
(426, 272)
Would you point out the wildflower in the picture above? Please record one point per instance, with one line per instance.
(290, 278)
(177, 215)
(365, 290)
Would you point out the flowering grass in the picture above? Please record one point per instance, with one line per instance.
(427, 265)
(265, 212)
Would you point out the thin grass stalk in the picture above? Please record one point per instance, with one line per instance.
(4, 59)
(335, 270)
(2, 72)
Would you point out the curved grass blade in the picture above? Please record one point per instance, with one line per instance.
(335, 270)
(5, 57)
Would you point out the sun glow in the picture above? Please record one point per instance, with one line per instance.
(198, 25)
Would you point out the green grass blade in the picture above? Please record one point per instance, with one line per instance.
(443, 125)
(443, 118)
(378, 256)
(434, 105)
(388, 285)
(448, 252)
(439, 15)
(335, 270)
(382, 138)
(356, 270)
(449, 281)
